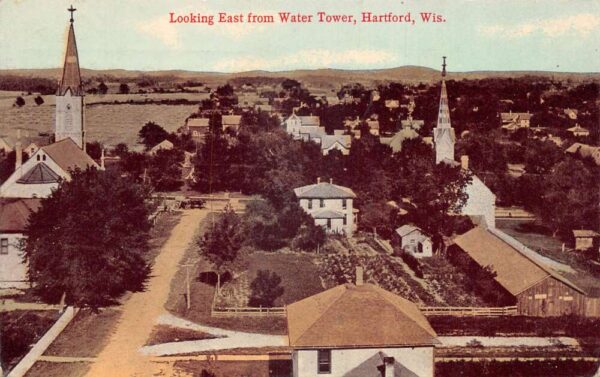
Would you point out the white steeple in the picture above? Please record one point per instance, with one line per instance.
(443, 135)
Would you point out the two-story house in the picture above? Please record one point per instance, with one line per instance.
(330, 205)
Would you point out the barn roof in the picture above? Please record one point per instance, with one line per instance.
(357, 316)
(68, 155)
(14, 213)
(515, 271)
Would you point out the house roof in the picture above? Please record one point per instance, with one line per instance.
(310, 120)
(357, 316)
(515, 270)
(68, 155)
(328, 214)
(324, 190)
(14, 213)
(231, 120)
(71, 77)
(406, 229)
(197, 122)
(395, 142)
(39, 174)
(577, 128)
(513, 117)
(327, 141)
(585, 233)
(165, 144)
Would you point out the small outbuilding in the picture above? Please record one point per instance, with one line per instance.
(585, 239)
(414, 241)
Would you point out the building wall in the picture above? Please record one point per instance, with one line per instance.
(333, 205)
(345, 151)
(481, 202)
(13, 272)
(584, 243)
(418, 359)
(410, 243)
(550, 297)
(69, 118)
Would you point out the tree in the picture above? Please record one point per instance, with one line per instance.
(7, 164)
(164, 170)
(39, 100)
(121, 149)
(265, 288)
(94, 149)
(19, 102)
(221, 244)
(123, 88)
(102, 88)
(89, 240)
(151, 134)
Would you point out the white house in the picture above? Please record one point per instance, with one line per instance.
(579, 131)
(308, 128)
(481, 201)
(330, 205)
(415, 241)
(357, 331)
(163, 145)
(14, 217)
(513, 121)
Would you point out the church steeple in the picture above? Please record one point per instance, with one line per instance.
(443, 134)
(69, 94)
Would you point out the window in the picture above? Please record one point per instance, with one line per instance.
(321, 203)
(344, 204)
(44, 157)
(309, 203)
(328, 223)
(3, 246)
(344, 220)
(324, 361)
(39, 158)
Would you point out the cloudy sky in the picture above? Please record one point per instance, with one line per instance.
(554, 35)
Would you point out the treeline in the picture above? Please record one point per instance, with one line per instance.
(27, 84)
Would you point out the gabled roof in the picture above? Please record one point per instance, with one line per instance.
(310, 120)
(197, 122)
(68, 155)
(39, 174)
(231, 120)
(71, 77)
(165, 144)
(14, 213)
(515, 271)
(324, 190)
(395, 142)
(513, 117)
(357, 316)
(585, 233)
(406, 229)
(328, 141)
(328, 214)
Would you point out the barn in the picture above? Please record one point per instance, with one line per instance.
(538, 289)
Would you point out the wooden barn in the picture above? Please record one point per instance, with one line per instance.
(538, 289)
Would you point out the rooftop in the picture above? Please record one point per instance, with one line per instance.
(324, 190)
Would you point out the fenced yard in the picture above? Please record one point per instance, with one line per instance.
(469, 311)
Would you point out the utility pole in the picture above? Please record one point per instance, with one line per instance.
(188, 293)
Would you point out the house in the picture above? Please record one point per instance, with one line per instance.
(359, 330)
(414, 241)
(585, 151)
(513, 121)
(579, 131)
(392, 103)
(415, 124)
(515, 170)
(14, 218)
(231, 121)
(395, 142)
(481, 201)
(7, 144)
(373, 126)
(38, 176)
(197, 128)
(571, 113)
(163, 145)
(330, 205)
(308, 128)
(337, 141)
(585, 239)
(538, 289)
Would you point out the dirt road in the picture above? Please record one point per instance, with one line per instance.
(121, 356)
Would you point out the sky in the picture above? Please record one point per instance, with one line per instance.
(547, 35)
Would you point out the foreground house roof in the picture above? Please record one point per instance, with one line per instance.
(357, 316)
(68, 155)
(515, 270)
(14, 213)
(324, 190)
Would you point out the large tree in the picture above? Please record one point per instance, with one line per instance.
(88, 240)
(152, 134)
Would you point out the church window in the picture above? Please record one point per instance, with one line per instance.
(39, 158)
(4, 246)
(44, 157)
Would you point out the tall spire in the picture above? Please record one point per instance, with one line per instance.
(443, 135)
(71, 77)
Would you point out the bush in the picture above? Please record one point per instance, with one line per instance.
(413, 263)
(19, 102)
(39, 100)
(266, 288)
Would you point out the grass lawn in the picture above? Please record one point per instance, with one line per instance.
(272, 368)
(47, 369)
(167, 334)
(19, 330)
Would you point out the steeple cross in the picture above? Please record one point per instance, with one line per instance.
(444, 67)
(71, 9)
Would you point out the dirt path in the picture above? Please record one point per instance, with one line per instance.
(121, 355)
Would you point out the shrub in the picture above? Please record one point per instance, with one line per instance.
(19, 102)
(266, 288)
(413, 263)
(39, 100)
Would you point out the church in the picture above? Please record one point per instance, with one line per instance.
(481, 201)
(37, 177)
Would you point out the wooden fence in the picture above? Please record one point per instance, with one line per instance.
(467, 311)
(244, 311)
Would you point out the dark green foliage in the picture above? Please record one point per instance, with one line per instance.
(567, 368)
(94, 149)
(38, 100)
(123, 88)
(164, 170)
(221, 244)
(19, 331)
(151, 134)
(89, 240)
(309, 237)
(7, 164)
(102, 88)
(19, 102)
(413, 263)
(266, 288)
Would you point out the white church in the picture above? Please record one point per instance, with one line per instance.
(37, 177)
(481, 200)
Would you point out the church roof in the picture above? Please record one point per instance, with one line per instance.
(68, 155)
(443, 120)
(71, 76)
(357, 316)
(14, 213)
(39, 174)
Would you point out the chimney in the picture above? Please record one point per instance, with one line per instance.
(359, 275)
(464, 162)
(388, 365)
(318, 180)
(331, 180)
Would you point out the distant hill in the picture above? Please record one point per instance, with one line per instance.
(317, 77)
